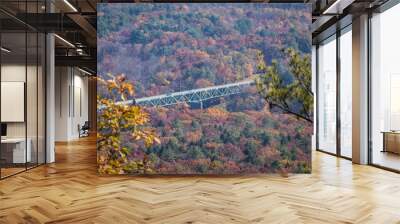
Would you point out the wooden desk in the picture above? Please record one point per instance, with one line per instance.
(391, 141)
(13, 150)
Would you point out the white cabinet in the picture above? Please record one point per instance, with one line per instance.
(19, 155)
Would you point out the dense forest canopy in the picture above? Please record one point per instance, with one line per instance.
(166, 48)
(185, 46)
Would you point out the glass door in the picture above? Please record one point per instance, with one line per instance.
(327, 96)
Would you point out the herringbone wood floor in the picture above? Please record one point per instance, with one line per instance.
(70, 191)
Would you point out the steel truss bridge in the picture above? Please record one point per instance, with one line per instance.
(192, 96)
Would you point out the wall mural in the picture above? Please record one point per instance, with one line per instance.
(222, 88)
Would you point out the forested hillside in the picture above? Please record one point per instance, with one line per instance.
(166, 48)
(170, 47)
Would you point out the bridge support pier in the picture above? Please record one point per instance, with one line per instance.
(201, 105)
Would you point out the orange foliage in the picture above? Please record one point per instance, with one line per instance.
(218, 113)
(193, 136)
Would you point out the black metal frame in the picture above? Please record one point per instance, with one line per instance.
(338, 98)
(44, 70)
(337, 35)
(316, 120)
(369, 98)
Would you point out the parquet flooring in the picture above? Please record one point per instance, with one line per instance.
(70, 191)
(10, 171)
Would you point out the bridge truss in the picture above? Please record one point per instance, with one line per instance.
(192, 96)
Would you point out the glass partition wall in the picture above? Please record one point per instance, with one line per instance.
(334, 93)
(22, 98)
(385, 89)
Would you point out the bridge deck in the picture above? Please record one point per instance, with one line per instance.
(194, 95)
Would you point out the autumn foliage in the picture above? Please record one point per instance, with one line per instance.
(169, 48)
(116, 119)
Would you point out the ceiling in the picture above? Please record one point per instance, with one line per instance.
(74, 21)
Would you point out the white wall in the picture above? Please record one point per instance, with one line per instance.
(71, 102)
(61, 103)
(80, 110)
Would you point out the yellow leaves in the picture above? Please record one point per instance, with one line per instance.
(109, 170)
(156, 140)
(117, 84)
(127, 87)
(261, 63)
(101, 159)
(114, 163)
(149, 171)
(147, 136)
(139, 166)
(133, 116)
(113, 119)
